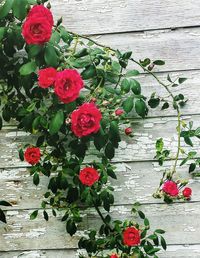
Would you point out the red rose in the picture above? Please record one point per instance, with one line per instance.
(114, 256)
(119, 112)
(170, 188)
(86, 120)
(88, 176)
(36, 30)
(128, 131)
(187, 192)
(32, 155)
(68, 84)
(40, 10)
(131, 236)
(46, 77)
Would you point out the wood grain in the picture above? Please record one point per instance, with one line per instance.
(136, 181)
(179, 48)
(23, 234)
(140, 147)
(92, 17)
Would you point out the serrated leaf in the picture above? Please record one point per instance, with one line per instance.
(34, 215)
(159, 62)
(28, 68)
(132, 73)
(128, 104)
(163, 243)
(140, 108)
(50, 56)
(36, 179)
(109, 151)
(5, 8)
(19, 9)
(56, 122)
(181, 80)
(46, 216)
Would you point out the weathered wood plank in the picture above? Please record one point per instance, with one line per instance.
(179, 48)
(141, 147)
(174, 251)
(92, 17)
(23, 234)
(135, 182)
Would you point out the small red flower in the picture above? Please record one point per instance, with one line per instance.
(131, 236)
(114, 256)
(119, 112)
(170, 188)
(40, 10)
(86, 120)
(68, 84)
(46, 77)
(32, 155)
(88, 176)
(187, 192)
(128, 131)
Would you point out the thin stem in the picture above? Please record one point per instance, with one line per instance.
(159, 81)
(101, 216)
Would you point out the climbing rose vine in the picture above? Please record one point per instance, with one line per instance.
(77, 98)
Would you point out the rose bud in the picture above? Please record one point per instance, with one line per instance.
(119, 112)
(68, 121)
(105, 103)
(94, 100)
(187, 192)
(128, 131)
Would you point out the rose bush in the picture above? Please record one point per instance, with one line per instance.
(76, 95)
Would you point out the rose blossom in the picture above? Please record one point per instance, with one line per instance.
(32, 155)
(187, 192)
(68, 84)
(36, 30)
(114, 256)
(170, 188)
(119, 112)
(40, 10)
(88, 176)
(46, 77)
(131, 236)
(86, 120)
(128, 131)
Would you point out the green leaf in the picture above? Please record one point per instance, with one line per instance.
(181, 80)
(125, 85)
(50, 56)
(160, 231)
(135, 87)
(34, 215)
(5, 8)
(159, 62)
(109, 151)
(21, 155)
(163, 243)
(34, 50)
(188, 141)
(19, 9)
(132, 73)
(56, 122)
(192, 167)
(1, 123)
(36, 179)
(2, 31)
(128, 104)
(141, 214)
(89, 72)
(46, 216)
(140, 108)
(71, 227)
(28, 68)
(159, 144)
(154, 102)
(4, 203)
(165, 106)
(2, 216)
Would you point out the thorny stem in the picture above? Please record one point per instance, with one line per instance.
(159, 81)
